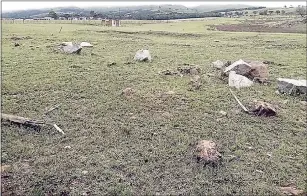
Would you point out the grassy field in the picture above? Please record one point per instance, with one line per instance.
(143, 145)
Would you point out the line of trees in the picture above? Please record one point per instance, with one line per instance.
(139, 15)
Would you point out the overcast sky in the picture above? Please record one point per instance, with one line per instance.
(12, 6)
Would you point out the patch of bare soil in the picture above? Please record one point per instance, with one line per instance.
(288, 27)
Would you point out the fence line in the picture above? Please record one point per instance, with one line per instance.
(89, 22)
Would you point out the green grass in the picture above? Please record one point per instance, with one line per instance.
(147, 154)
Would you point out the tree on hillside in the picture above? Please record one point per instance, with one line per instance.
(283, 12)
(303, 12)
(52, 14)
(277, 12)
(285, 6)
(92, 13)
(66, 16)
(255, 12)
(271, 12)
(246, 13)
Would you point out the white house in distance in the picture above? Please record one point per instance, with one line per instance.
(113, 23)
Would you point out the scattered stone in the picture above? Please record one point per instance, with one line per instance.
(269, 154)
(169, 73)
(259, 171)
(303, 102)
(196, 82)
(67, 147)
(194, 71)
(218, 64)
(74, 49)
(240, 67)
(111, 64)
(84, 172)
(210, 74)
(291, 86)
(259, 71)
(223, 113)
(128, 92)
(206, 151)
(189, 70)
(67, 44)
(142, 55)
(228, 63)
(5, 168)
(86, 44)
(16, 38)
(238, 81)
(16, 44)
(264, 109)
(166, 115)
(290, 190)
(277, 92)
(216, 40)
(20, 38)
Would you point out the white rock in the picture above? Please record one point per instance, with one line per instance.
(142, 55)
(67, 44)
(238, 81)
(218, 64)
(240, 67)
(223, 113)
(86, 44)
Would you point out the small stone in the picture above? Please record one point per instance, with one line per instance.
(223, 113)
(5, 168)
(303, 102)
(218, 64)
(277, 92)
(291, 191)
(142, 55)
(170, 93)
(84, 172)
(67, 147)
(207, 151)
(166, 115)
(259, 171)
(128, 92)
(86, 44)
(269, 154)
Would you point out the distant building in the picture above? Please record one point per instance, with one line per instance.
(113, 23)
(45, 18)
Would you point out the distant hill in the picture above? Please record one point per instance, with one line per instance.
(210, 8)
(146, 12)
